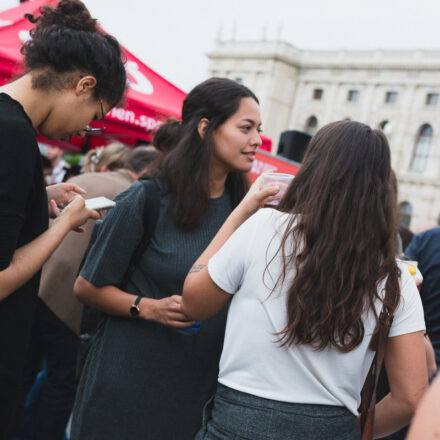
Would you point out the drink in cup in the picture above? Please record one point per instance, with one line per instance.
(279, 179)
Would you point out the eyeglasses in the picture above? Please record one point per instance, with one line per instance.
(89, 129)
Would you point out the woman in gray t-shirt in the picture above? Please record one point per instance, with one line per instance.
(146, 377)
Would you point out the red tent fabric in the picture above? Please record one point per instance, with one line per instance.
(150, 98)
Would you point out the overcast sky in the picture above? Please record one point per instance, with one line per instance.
(172, 37)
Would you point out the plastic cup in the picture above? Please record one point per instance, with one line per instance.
(280, 179)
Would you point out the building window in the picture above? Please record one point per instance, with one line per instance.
(311, 125)
(353, 96)
(431, 99)
(405, 213)
(391, 97)
(387, 129)
(421, 149)
(317, 94)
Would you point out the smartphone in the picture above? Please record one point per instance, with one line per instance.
(100, 203)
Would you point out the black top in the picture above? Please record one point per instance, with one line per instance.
(142, 380)
(23, 216)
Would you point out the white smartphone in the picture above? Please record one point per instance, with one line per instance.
(100, 203)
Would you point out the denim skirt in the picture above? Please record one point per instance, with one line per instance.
(233, 415)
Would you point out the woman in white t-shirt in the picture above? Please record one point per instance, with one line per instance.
(304, 284)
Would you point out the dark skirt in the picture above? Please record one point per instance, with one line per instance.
(142, 381)
(233, 415)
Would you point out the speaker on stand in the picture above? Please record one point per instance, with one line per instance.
(293, 144)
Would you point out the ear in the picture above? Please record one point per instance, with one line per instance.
(202, 126)
(85, 84)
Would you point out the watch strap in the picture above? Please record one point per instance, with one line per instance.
(134, 308)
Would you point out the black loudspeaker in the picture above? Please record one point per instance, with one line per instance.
(293, 144)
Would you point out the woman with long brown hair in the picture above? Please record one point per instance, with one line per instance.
(144, 377)
(306, 284)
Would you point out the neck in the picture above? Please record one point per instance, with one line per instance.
(36, 104)
(133, 175)
(55, 161)
(217, 180)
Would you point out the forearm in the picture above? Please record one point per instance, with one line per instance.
(28, 259)
(391, 415)
(110, 299)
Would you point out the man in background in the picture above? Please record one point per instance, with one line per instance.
(59, 165)
(425, 248)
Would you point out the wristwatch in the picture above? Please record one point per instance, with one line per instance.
(134, 309)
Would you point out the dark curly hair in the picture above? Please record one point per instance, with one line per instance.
(66, 39)
(185, 169)
(344, 236)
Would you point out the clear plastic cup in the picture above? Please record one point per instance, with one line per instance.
(280, 179)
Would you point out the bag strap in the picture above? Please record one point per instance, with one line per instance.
(368, 393)
(150, 217)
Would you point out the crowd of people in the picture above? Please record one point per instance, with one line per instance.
(215, 317)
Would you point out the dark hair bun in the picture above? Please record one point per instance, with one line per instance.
(168, 135)
(69, 13)
(66, 39)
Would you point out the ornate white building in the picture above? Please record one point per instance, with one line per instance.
(397, 91)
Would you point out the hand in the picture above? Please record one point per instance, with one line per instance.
(166, 311)
(256, 196)
(62, 194)
(75, 214)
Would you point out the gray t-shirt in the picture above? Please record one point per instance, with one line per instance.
(143, 380)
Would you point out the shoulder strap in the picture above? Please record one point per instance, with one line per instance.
(368, 393)
(150, 217)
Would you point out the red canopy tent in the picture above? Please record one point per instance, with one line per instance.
(149, 101)
(150, 98)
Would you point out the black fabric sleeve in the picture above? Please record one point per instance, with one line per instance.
(16, 177)
(118, 237)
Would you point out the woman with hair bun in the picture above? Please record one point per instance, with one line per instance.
(146, 377)
(74, 75)
(166, 135)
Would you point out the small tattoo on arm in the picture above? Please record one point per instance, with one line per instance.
(197, 268)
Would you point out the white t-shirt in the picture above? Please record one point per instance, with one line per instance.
(253, 361)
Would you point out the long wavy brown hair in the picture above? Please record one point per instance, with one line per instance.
(344, 237)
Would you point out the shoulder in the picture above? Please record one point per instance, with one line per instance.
(425, 239)
(263, 224)
(14, 121)
(430, 234)
(134, 193)
(271, 217)
(408, 289)
(17, 134)
(107, 184)
(405, 276)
